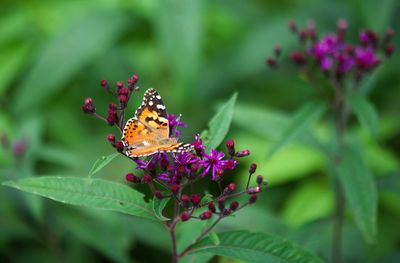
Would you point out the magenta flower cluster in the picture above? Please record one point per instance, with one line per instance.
(336, 56)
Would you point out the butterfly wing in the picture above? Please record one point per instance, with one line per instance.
(148, 131)
(153, 115)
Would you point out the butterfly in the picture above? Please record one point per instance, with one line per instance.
(148, 131)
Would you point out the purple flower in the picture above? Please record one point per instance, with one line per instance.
(365, 58)
(326, 63)
(326, 46)
(175, 122)
(215, 163)
(198, 145)
(184, 160)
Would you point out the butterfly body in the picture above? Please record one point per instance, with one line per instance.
(148, 131)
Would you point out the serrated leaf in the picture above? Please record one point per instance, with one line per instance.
(360, 192)
(365, 112)
(96, 193)
(254, 247)
(220, 123)
(101, 163)
(299, 123)
(158, 207)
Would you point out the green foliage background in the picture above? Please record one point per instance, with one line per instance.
(196, 54)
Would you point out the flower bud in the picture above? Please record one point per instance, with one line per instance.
(185, 216)
(243, 153)
(271, 62)
(185, 200)
(297, 57)
(147, 179)
(111, 138)
(88, 106)
(259, 180)
(120, 84)
(292, 26)
(195, 199)
(234, 205)
(130, 177)
(211, 207)
(175, 188)
(104, 83)
(205, 215)
(253, 198)
(252, 168)
(158, 195)
(124, 91)
(230, 188)
(123, 99)
(226, 212)
(119, 146)
(230, 144)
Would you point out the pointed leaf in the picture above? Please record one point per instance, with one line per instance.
(365, 112)
(254, 247)
(101, 163)
(299, 123)
(220, 123)
(158, 207)
(360, 192)
(96, 193)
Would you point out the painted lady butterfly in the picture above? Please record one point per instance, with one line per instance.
(148, 131)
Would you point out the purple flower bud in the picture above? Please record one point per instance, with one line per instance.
(211, 207)
(175, 188)
(88, 106)
(130, 177)
(297, 57)
(119, 146)
(120, 84)
(253, 198)
(104, 83)
(185, 216)
(252, 168)
(158, 195)
(147, 179)
(185, 200)
(254, 190)
(206, 215)
(111, 138)
(243, 153)
(195, 199)
(234, 205)
(230, 144)
(271, 62)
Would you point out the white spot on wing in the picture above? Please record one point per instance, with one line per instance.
(160, 107)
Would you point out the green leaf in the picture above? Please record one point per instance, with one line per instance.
(96, 193)
(365, 112)
(214, 238)
(158, 207)
(254, 247)
(101, 163)
(360, 192)
(299, 123)
(220, 123)
(71, 49)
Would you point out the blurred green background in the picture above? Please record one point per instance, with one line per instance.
(196, 54)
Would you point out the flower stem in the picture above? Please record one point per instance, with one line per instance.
(205, 232)
(341, 116)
